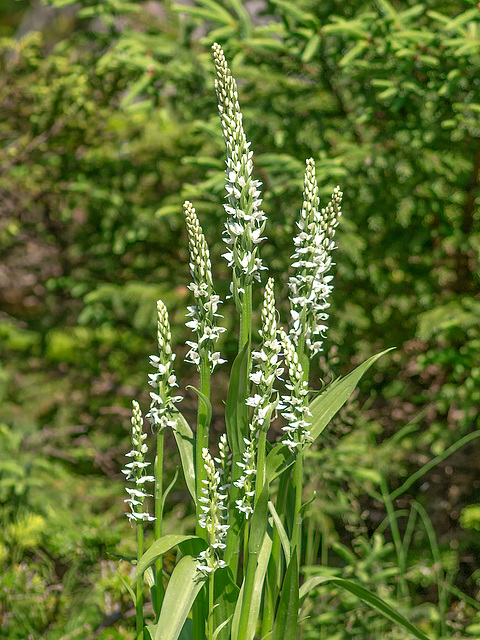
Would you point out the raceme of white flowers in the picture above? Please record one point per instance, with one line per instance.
(164, 380)
(204, 311)
(246, 220)
(136, 470)
(213, 517)
(296, 406)
(266, 371)
(310, 286)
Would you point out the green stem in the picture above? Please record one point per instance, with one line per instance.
(139, 603)
(210, 605)
(298, 483)
(202, 440)
(261, 474)
(245, 318)
(159, 591)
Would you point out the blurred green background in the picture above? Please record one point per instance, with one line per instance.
(109, 122)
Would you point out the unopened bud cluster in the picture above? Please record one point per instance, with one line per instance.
(164, 380)
(204, 311)
(310, 286)
(246, 220)
(136, 470)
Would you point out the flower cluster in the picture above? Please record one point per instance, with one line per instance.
(136, 470)
(224, 459)
(309, 287)
(204, 311)
(212, 519)
(295, 404)
(266, 371)
(164, 380)
(246, 221)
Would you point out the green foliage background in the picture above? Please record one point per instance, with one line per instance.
(109, 124)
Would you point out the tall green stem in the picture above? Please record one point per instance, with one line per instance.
(245, 318)
(202, 440)
(159, 591)
(139, 603)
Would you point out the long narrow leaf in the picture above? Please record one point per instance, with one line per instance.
(161, 546)
(281, 532)
(367, 596)
(252, 608)
(236, 411)
(186, 446)
(207, 403)
(225, 598)
(183, 587)
(286, 621)
(323, 408)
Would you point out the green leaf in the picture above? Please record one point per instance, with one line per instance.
(258, 526)
(367, 596)
(281, 532)
(323, 408)
(128, 588)
(252, 608)
(186, 446)
(160, 547)
(206, 402)
(225, 598)
(236, 411)
(169, 488)
(183, 587)
(286, 621)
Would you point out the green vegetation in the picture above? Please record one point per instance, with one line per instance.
(109, 126)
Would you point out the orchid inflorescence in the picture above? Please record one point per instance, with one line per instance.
(136, 470)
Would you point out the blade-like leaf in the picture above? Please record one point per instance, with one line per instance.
(286, 621)
(207, 403)
(258, 526)
(225, 598)
(281, 532)
(169, 488)
(367, 596)
(186, 446)
(323, 408)
(252, 609)
(236, 411)
(161, 546)
(183, 587)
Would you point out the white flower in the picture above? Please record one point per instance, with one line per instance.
(309, 286)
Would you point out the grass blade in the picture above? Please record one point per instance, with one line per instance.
(368, 597)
